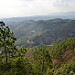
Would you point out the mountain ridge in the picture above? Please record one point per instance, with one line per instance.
(32, 33)
(67, 15)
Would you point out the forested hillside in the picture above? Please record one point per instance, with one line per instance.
(39, 60)
(62, 54)
(31, 33)
(63, 57)
(37, 37)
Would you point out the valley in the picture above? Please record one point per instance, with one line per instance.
(43, 47)
(31, 33)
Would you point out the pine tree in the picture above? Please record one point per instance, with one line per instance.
(7, 40)
(43, 60)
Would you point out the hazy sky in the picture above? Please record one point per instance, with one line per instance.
(18, 8)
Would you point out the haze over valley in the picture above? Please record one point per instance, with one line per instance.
(37, 37)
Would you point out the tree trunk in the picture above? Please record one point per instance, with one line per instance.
(6, 55)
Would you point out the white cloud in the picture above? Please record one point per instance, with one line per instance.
(64, 6)
(14, 8)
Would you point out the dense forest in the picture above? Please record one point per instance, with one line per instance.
(32, 33)
(42, 59)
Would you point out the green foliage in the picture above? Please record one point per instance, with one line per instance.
(20, 66)
(37, 49)
(23, 67)
(59, 49)
(67, 68)
(6, 40)
(42, 64)
(43, 61)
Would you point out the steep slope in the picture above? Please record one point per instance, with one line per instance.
(32, 33)
(63, 51)
(63, 57)
(62, 54)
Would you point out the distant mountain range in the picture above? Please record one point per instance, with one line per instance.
(31, 33)
(68, 15)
